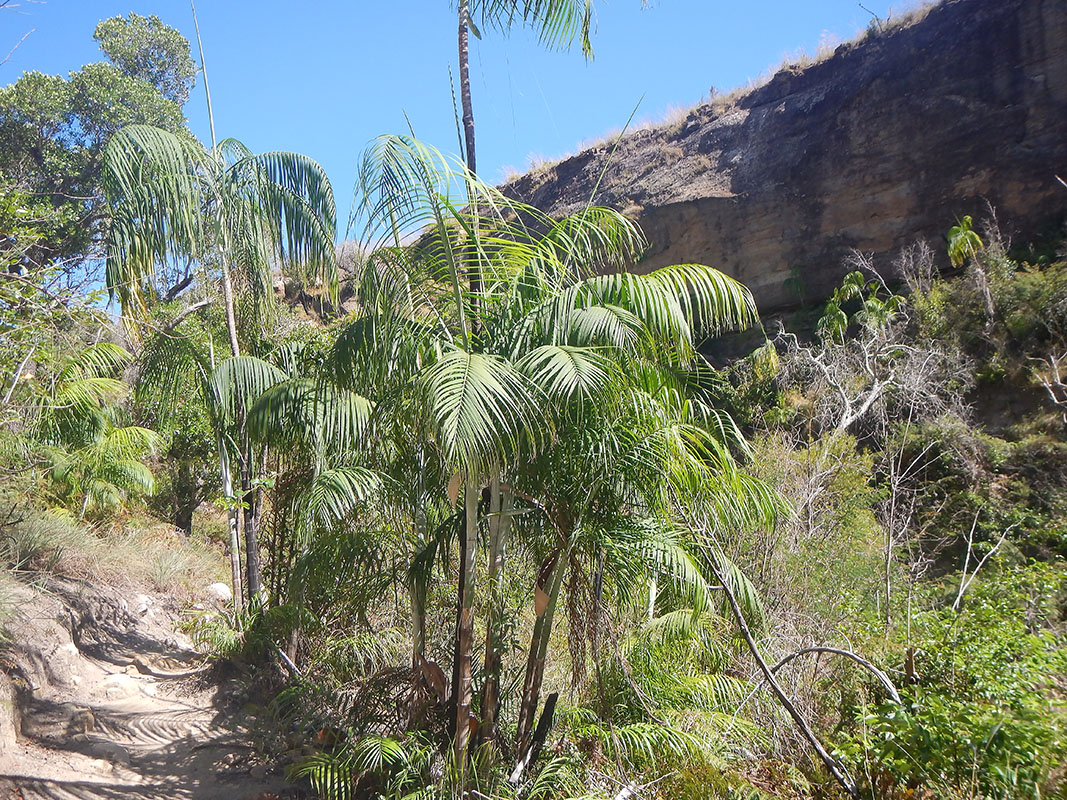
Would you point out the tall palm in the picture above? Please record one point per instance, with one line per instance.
(557, 22)
(234, 213)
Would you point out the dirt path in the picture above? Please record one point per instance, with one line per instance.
(95, 726)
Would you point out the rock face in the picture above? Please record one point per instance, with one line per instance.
(891, 139)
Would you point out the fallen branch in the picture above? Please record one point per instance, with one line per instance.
(294, 670)
(836, 770)
(879, 674)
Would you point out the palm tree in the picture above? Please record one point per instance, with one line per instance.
(552, 334)
(234, 213)
(95, 457)
(608, 352)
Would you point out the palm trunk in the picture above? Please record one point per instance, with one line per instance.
(417, 595)
(465, 88)
(542, 632)
(231, 317)
(465, 630)
(253, 567)
(474, 278)
(500, 504)
(232, 523)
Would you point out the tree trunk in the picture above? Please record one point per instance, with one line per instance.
(186, 488)
(465, 630)
(227, 300)
(542, 632)
(227, 475)
(500, 505)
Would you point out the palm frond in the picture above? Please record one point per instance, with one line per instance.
(480, 406)
(712, 301)
(237, 382)
(305, 411)
(337, 493)
(557, 22)
(152, 179)
(566, 373)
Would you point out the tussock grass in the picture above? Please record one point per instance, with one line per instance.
(139, 552)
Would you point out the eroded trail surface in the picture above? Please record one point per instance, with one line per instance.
(105, 700)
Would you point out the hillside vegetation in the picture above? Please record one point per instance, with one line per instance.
(504, 529)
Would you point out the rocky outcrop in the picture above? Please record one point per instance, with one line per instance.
(890, 139)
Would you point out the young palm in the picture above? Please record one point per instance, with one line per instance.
(95, 458)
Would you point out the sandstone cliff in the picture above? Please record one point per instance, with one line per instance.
(890, 139)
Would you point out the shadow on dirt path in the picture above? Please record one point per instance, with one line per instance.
(87, 722)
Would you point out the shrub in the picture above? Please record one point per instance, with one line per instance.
(984, 716)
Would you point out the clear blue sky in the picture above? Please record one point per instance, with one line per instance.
(325, 77)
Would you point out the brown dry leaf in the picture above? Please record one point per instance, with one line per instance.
(540, 601)
(453, 488)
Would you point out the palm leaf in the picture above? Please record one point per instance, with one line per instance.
(301, 410)
(480, 406)
(336, 493)
(237, 382)
(565, 373)
(557, 22)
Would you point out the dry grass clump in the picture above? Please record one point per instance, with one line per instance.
(140, 553)
(9, 600)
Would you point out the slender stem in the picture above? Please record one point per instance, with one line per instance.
(18, 374)
(233, 525)
(832, 766)
(500, 504)
(207, 88)
(542, 632)
(474, 278)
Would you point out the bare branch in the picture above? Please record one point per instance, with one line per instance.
(18, 44)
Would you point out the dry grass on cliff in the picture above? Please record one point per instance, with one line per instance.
(902, 15)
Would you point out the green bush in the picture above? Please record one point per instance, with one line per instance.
(984, 716)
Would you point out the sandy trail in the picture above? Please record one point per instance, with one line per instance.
(90, 725)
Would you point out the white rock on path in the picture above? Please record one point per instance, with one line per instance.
(219, 592)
